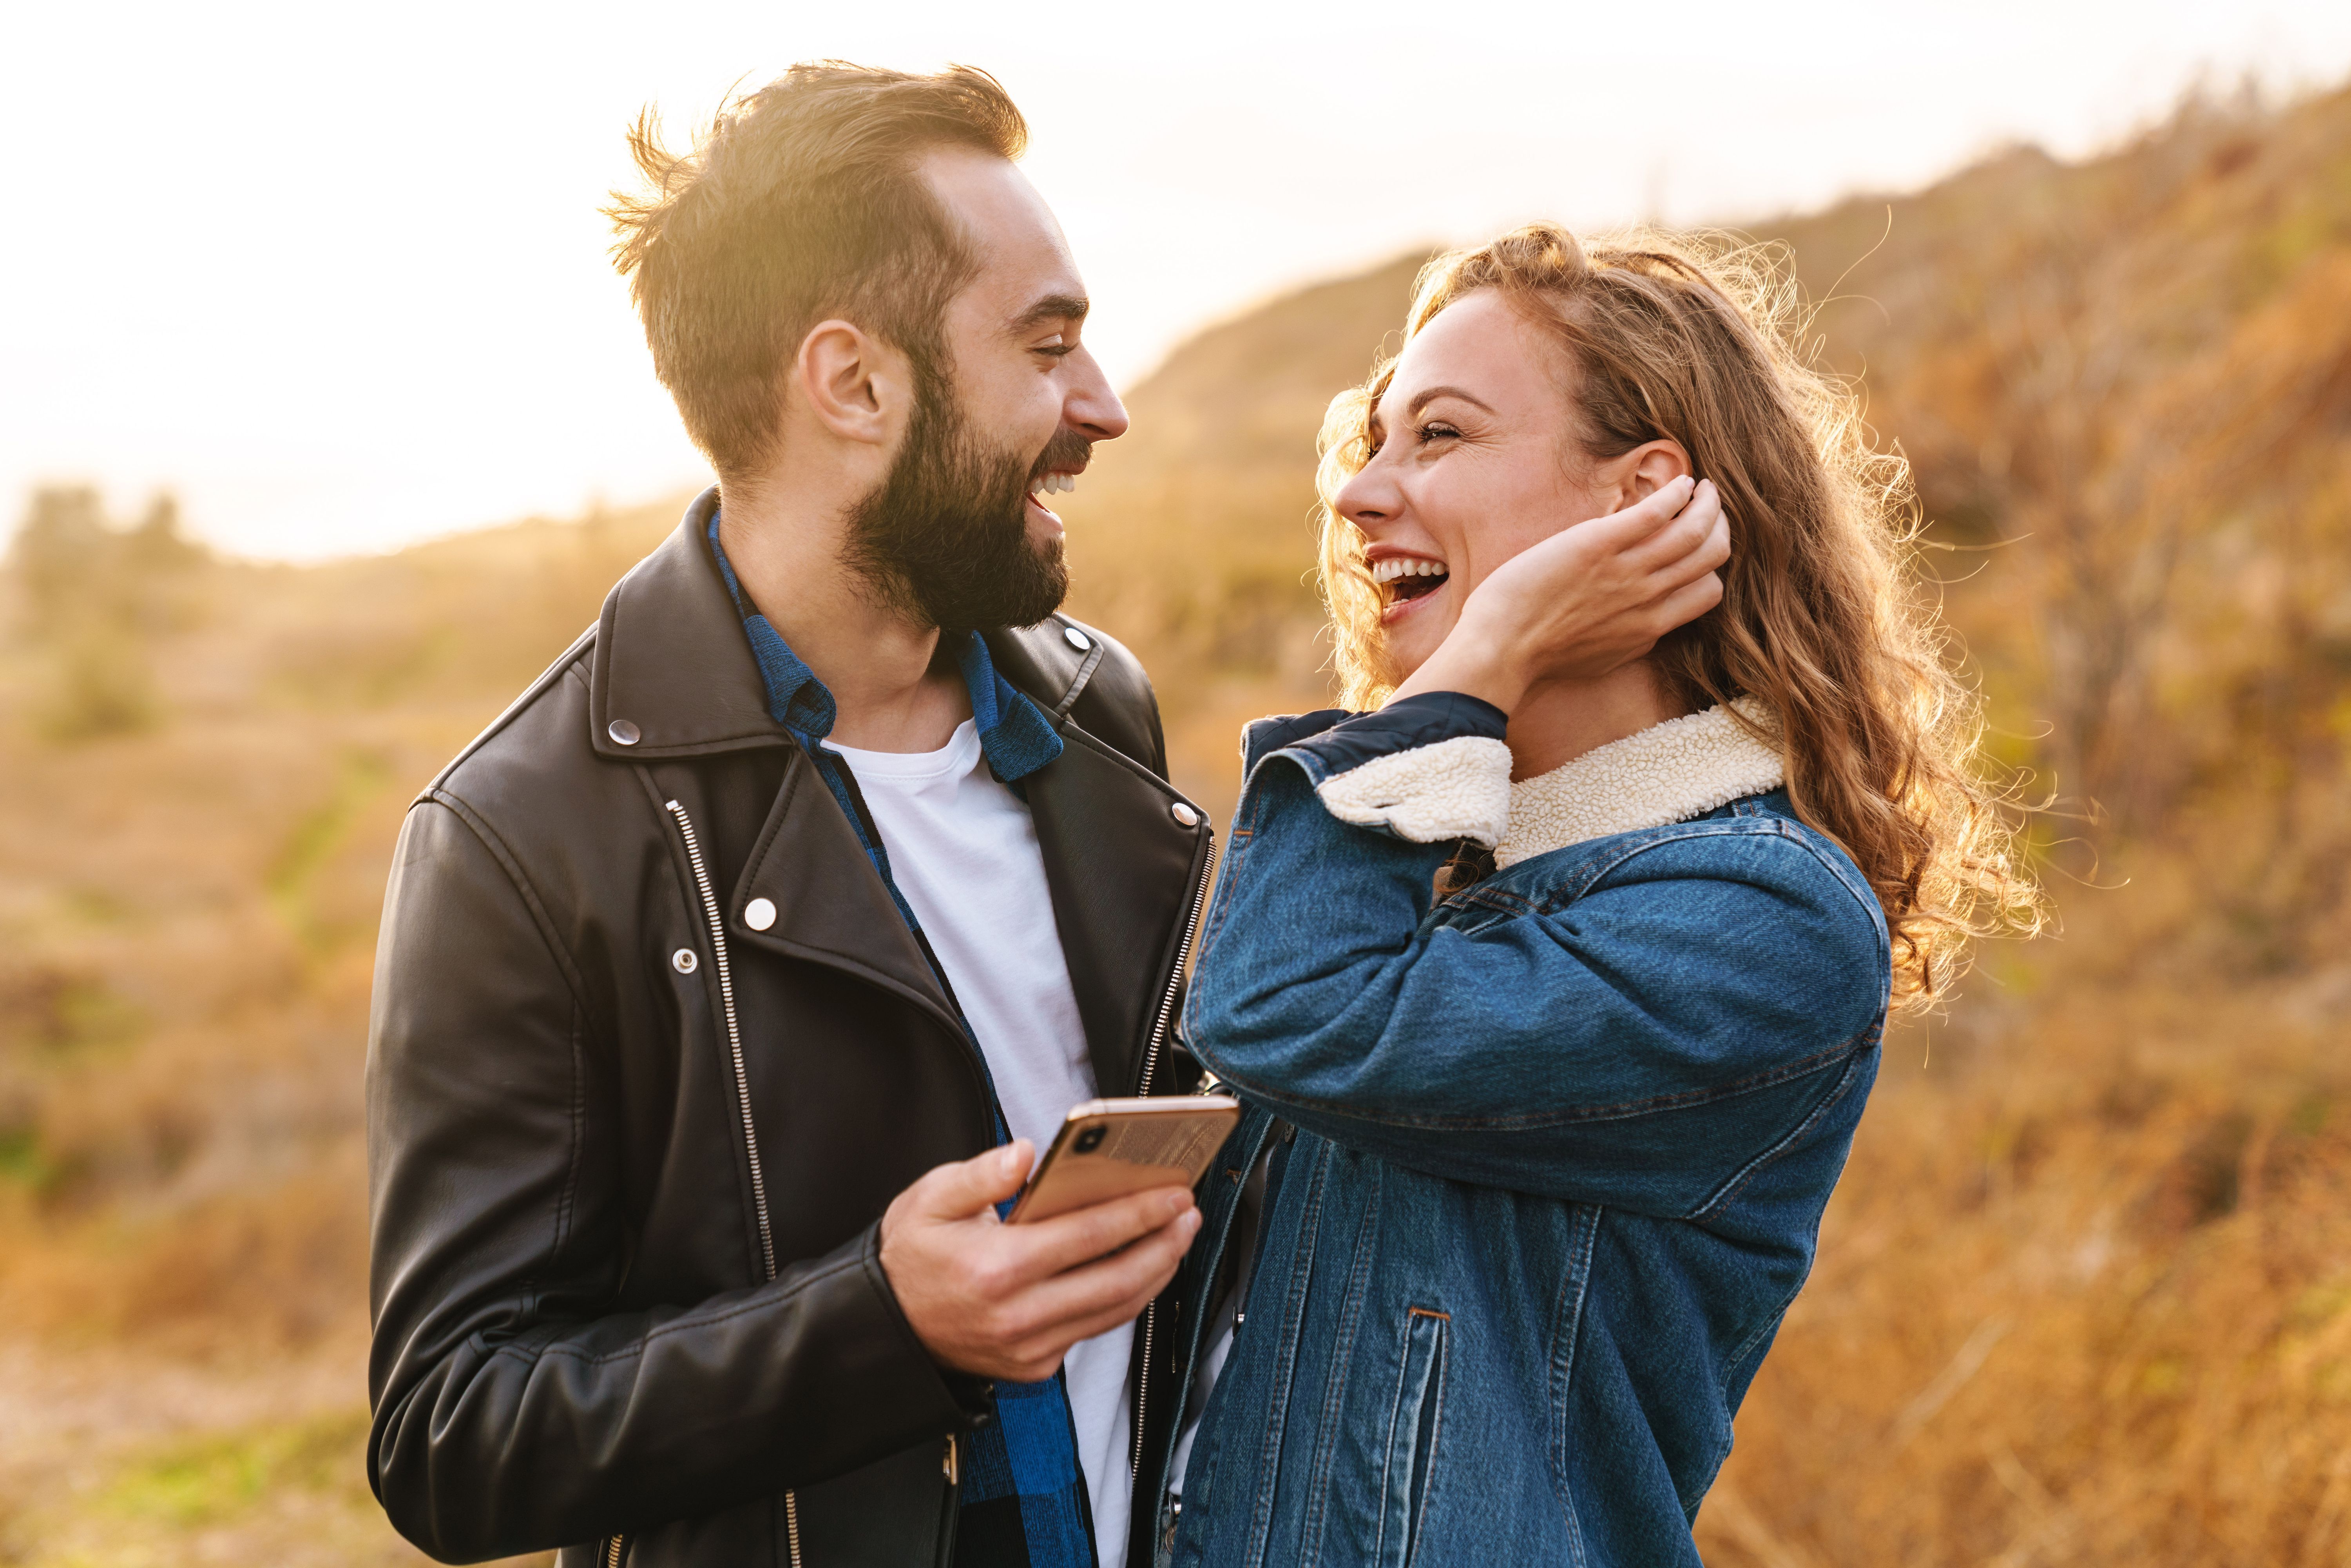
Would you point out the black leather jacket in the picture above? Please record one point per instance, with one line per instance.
(627, 1149)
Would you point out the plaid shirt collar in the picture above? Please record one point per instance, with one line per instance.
(1014, 734)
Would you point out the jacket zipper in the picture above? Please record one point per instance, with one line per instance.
(1150, 1066)
(1159, 1026)
(743, 1098)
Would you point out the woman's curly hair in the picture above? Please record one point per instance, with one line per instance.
(1821, 619)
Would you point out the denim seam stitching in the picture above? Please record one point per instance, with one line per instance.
(1738, 1178)
(1572, 1320)
(1387, 1466)
(1427, 1464)
(1787, 1072)
(1674, 833)
(1351, 1323)
(1285, 1367)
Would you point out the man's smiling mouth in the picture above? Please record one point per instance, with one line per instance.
(1052, 482)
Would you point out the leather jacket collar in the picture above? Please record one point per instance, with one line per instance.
(672, 669)
(1125, 854)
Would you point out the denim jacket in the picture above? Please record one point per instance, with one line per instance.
(1562, 1136)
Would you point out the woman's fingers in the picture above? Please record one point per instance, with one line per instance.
(1685, 535)
(1711, 552)
(1687, 602)
(1626, 529)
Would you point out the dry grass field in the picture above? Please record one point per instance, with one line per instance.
(2085, 1296)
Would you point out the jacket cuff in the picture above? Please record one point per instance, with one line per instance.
(1429, 769)
(972, 1397)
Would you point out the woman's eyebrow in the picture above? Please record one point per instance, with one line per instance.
(1428, 396)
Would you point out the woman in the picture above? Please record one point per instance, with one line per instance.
(1567, 973)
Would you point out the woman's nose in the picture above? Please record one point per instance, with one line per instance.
(1368, 499)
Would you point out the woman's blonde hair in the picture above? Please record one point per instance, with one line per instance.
(1820, 619)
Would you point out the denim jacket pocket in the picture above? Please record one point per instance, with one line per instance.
(1413, 1423)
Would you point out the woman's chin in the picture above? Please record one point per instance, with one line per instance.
(1410, 632)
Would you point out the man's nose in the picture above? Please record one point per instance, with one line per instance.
(1094, 408)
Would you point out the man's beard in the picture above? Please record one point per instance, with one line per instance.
(946, 536)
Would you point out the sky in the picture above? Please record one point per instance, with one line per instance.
(336, 275)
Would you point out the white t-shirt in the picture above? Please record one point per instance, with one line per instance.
(963, 851)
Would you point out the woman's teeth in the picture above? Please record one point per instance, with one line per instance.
(1053, 484)
(1396, 565)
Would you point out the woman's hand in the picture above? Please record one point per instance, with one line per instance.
(1586, 601)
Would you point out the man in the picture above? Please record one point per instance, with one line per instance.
(727, 981)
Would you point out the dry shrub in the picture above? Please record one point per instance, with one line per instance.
(187, 916)
(275, 1267)
(2085, 1296)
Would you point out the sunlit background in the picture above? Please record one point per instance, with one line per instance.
(336, 273)
(314, 284)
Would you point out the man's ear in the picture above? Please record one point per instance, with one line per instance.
(1650, 468)
(854, 384)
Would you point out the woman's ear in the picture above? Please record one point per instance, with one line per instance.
(853, 384)
(1650, 468)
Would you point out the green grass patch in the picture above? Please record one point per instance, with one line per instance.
(213, 1478)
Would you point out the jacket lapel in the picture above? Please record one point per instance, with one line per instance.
(1121, 869)
(829, 904)
(1120, 862)
(673, 677)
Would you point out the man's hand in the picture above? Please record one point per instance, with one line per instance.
(1008, 1301)
(1586, 600)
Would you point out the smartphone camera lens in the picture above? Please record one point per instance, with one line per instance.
(1090, 1139)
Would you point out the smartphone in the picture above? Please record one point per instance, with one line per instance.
(1108, 1148)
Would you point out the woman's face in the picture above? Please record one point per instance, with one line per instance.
(1475, 458)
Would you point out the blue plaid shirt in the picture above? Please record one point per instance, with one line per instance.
(1024, 1503)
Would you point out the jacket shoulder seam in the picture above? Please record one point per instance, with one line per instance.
(518, 879)
(1768, 829)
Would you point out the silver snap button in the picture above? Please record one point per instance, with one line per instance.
(623, 732)
(1183, 815)
(759, 913)
(684, 961)
(1076, 639)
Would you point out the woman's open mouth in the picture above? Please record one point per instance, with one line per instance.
(1404, 580)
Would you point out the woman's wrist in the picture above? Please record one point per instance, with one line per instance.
(1473, 665)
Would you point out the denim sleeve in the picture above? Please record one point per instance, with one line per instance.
(1640, 1045)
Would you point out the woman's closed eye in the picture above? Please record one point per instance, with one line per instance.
(1423, 435)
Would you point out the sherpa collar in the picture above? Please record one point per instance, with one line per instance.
(1669, 772)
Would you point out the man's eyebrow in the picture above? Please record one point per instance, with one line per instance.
(1052, 307)
(1428, 396)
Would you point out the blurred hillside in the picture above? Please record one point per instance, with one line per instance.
(2086, 1295)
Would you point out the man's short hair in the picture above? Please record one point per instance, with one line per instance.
(799, 202)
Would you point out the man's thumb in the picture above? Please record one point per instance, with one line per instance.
(962, 1189)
